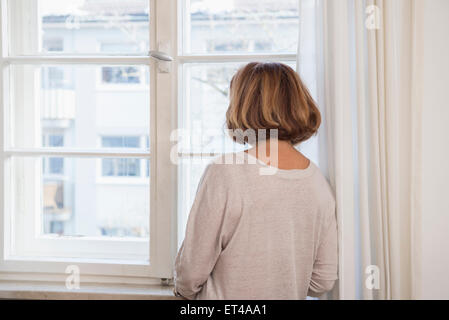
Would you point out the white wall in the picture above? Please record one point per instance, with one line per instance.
(435, 121)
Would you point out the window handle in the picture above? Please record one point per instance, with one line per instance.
(161, 56)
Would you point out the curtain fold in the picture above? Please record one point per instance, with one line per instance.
(367, 50)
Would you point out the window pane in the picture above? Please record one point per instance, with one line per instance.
(56, 166)
(79, 26)
(206, 98)
(55, 140)
(121, 142)
(121, 75)
(78, 104)
(190, 172)
(80, 202)
(121, 167)
(240, 26)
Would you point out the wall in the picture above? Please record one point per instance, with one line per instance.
(434, 280)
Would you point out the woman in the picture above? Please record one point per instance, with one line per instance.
(262, 227)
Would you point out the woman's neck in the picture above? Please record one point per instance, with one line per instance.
(279, 154)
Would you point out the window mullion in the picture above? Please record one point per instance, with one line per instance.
(63, 152)
(27, 41)
(4, 219)
(78, 59)
(163, 217)
(236, 58)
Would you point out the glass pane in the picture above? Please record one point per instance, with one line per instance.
(78, 107)
(79, 26)
(203, 108)
(120, 168)
(206, 98)
(190, 172)
(80, 201)
(240, 26)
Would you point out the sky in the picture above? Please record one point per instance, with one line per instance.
(212, 5)
(60, 6)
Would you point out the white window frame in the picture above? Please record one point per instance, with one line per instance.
(166, 94)
(162, 199)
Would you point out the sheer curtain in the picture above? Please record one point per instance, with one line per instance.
(358, 58)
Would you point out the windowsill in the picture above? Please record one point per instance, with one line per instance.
(58, 291)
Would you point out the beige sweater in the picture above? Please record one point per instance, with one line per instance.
(256, 236)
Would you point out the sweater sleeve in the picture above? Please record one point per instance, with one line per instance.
(202, 244)
(324, 272)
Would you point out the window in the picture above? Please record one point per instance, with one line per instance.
(56, 78)
(120, 75)
(53, 166)
(58, 210)
(88, 172)
(124, 167)
(55, 208)
(53, 44)
(129, 75)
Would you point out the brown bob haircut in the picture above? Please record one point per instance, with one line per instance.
(266, 96)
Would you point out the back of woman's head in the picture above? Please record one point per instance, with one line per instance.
(266, 96)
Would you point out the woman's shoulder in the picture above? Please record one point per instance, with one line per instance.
(323, 187)
(228, 162)
(228, 167)
(232, 158)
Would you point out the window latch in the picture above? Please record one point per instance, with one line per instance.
(161, 56)
(166, 282)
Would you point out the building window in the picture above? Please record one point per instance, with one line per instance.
(218, 45)
(263, 45)
(56, 77)
(53, 78)
(53, 45)
(120, 167)
(55, 195)
(121, 75)
(120, 142)
(56, 166)
(53, 166)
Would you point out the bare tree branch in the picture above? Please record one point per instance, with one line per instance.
(212, 85)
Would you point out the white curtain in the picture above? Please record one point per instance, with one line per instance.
(362, 53)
